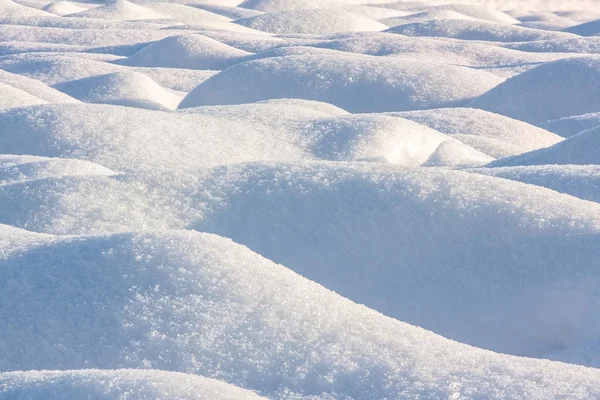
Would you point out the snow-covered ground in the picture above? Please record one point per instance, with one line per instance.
(299, 199)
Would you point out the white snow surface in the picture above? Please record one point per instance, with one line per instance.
(299, 199)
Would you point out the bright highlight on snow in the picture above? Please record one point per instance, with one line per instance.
(299, 199)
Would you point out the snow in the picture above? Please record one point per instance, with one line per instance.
(116, 384)
(187, 301)
(580, 149)
(475, 30)
(550, 91)
(490, 133)
(186, 51)
(355, 83)
(299, 199)
(311, 22)
(569, 126)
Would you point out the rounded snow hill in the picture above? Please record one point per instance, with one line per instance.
(589, 45)
(356, 83)
(15, 168)
(227, 11)
(473, 11)
(580, 149)
(589, 28)
(271, 6)
(550, 91)
(582, 181)
(13, 97)
(10, 8)
(30, 90)
(186, 51)
(127, 138)
(130, 89)
(62, 8)
(120, 10)
(481, 56)
(477, 30)
(425, 16)
(569, 126)
(492, 134)
(185, 13)
(184, 301)
(317, 21)
(115, 385)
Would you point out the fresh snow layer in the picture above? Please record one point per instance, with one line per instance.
(299, 199)
(115, 385)
(554, 90)
(487, 132)
(312, 22)
(198, 303)
(126, 139)
(186, 51)
(416, 256)
(122, 88)
(581, 181)
(581, 149)
(355, 83)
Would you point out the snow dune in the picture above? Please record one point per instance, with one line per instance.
(417, 257)
(116, 384)
(553, 90)
(580, 149)
(122, 88)
(186, 51)
(311, 22)
(299, 199)
(355, 83)
(189, 301)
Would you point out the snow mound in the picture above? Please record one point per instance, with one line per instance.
(15, 169)
(13, 97)
(271, 6)
(476, 30)
(355, 83)
(490, 58)
(122, 88)
(185, 13)
(116, 385)
(425, 16)
(569, 126)
(492, 134)
(32, 89)
(589, 28)
(186, 51)
(315, 21)
(227, 11)
(119, 10)
(10, 8)
(408, 242)
(590, 45)
(124, 138)
(581, 181)
(453, 153)
(183, 301)
(580, 149)
(554, 90)
(476, 11)
(62, 8)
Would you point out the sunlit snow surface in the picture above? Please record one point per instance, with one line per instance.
(299, 199)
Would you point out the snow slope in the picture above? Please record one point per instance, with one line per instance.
(115, 384)
(355, 83)
(299, 199)
(188, 302)
(581, 149)
(554, 90)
